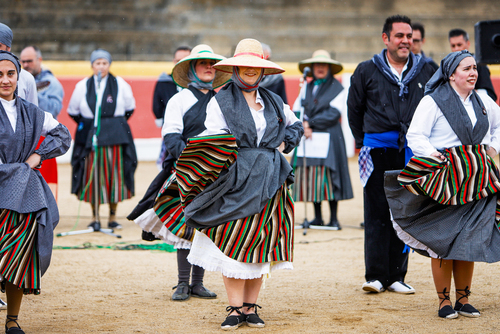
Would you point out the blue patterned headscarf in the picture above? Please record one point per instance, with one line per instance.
(5, 35)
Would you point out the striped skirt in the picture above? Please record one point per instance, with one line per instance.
(111, 180)
(19, 262)
(318, 184)
(448, 209)
(468, 175)
(266, 236)
(169, 210)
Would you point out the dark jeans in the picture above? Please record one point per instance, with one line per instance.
(384, 257)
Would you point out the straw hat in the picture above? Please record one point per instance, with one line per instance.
(201, 51)
(249, 53)
(321, 56)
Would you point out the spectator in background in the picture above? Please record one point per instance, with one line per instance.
(459, 40)
(275, 83)
(418, 42)
(322, 101)
(112, 98)
(49, 89)
(164, 90)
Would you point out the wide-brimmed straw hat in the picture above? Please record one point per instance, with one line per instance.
(201, 51)
(249, 53)
(321, 56)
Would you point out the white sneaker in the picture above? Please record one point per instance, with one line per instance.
(373, 286)
(3, 305)
(401, 287)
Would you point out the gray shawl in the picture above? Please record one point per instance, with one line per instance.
(23, 189)
(260, 169)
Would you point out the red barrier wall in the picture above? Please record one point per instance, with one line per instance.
(142, 121)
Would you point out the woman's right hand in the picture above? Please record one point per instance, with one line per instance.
(438, 155)
(307, 130)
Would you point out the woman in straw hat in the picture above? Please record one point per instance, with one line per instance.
(28, 210)
(234, 181)
(111, 98)
(322, 101)
(448, 207)
(160, 211)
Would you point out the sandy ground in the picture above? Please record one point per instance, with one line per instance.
(114, 291)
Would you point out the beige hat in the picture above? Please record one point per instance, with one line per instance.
(323, 57)
(249, 53)
(201, 51)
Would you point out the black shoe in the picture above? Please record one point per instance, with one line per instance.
(316, 222)
(114, 225)
(198, 290)
(447, 311)
(149, 236)
(95, 225)
(233, 321)
(253, 319)
(335, 225)
(13, 330)
(467, 310)
(362, 225)
(182, 292)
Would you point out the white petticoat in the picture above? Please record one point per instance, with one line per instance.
(150, 222)
(411, 241)
(204, 253)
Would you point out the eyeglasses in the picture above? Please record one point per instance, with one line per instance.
(417, 40)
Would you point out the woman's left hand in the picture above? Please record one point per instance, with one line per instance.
(34, 160)
(491, 152)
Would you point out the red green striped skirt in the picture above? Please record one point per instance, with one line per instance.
(468, 174)
(111, 179)
(19, 262)
(263, 237)
(318, 184)
(169, 210)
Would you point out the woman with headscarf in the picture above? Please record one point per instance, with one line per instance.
(233, 182)
(447, 208)
(321, 103)
(114, 160)
(160, 211)
(28, 210)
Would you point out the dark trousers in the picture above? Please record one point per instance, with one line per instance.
(384, 257)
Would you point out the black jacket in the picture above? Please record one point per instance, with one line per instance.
(374, 104)
(484, 81)
(164, 90)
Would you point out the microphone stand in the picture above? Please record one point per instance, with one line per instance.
(305, 224)
(96, 225)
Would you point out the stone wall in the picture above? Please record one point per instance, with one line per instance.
(152, 29)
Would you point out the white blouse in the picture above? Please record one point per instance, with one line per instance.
(177, 106)
(49, 122)
(78, 103)
(430, 131)
(216, 123)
